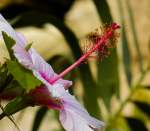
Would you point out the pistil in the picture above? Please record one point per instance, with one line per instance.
(101, 41)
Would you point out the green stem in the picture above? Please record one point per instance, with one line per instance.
(128, 98)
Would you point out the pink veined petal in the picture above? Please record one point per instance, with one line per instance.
(72, 110)
(45, 69)
(38, 76)
(72, 121)
(40, 65)
(22, 55)
(70, 103)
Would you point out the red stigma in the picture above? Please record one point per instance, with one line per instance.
(115, 26)
(102, 40)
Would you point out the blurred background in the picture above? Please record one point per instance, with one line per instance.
(58, 30)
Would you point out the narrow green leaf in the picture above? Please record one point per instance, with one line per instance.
(126, 56)
(40, 114)
(108, 82)
(125, 47)
(10, 118)
(108, 77)
(24, 77)
(9, 43)
(136, 124)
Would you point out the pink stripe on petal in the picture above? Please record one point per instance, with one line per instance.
(40, 64)
(46, 70)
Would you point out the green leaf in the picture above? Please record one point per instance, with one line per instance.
(40, 114)
(125, 47)
(15, 105)
(24, 77)
(135, 38)
(9, 43)
(126, 56)
(108, 77)
(136, 124)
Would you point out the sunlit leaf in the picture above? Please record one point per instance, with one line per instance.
(9, 42)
